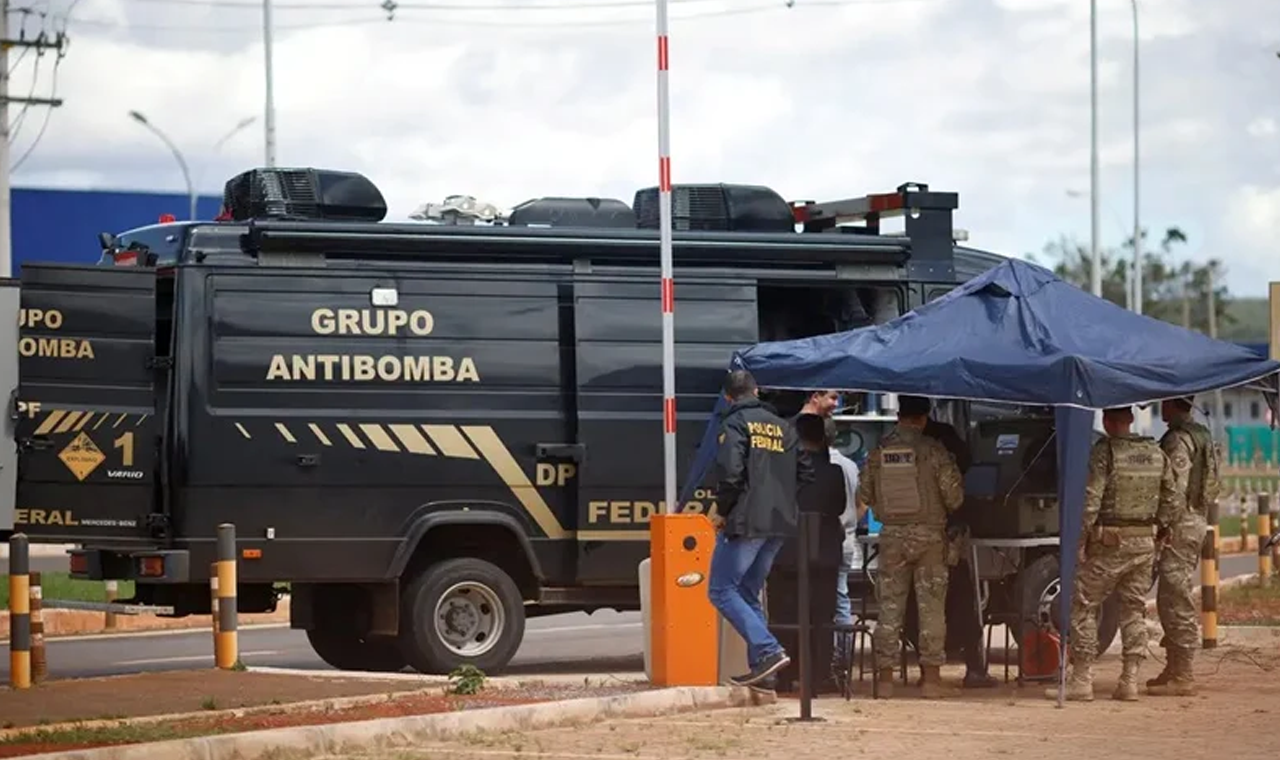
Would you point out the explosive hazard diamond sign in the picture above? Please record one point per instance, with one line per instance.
(82, 456)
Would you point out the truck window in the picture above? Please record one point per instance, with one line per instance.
(164, 241)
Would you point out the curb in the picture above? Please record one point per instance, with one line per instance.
(431, 686)
(391, 733)
(69, 624)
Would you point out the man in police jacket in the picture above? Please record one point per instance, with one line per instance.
(757, 474)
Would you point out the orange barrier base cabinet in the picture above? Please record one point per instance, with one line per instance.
(684, 625)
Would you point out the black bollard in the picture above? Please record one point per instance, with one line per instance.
(807, 534)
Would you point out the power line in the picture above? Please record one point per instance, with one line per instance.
(48, 113)
(490, 6)
(780, 5)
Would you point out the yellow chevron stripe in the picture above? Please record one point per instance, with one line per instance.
(350, 435)
(68, 421)
(140, 420)
(378, 437)
(50, 421)
(243, 432)
(493, 450)
(101, 420)
(412, 440)
(450, 442)
(319, 434)
(119, 420)
(284, 433)
(84, 421)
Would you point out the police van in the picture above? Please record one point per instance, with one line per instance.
(431, 431)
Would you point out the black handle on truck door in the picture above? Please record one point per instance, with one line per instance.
(574, 452)
(308, 460)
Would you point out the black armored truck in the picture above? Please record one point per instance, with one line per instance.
(430, 430)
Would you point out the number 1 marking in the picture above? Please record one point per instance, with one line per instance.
(125, 442)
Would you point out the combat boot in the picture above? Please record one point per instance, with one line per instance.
(1181, 681)
(1165, 675)
(931, 683)
(1127, 686)
(884, 683)
(1079, 685)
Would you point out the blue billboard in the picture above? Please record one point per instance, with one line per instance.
(57, 225)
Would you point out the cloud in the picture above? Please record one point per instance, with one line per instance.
(824, 99)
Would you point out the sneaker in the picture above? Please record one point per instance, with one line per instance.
(766, 685)
(768, 666)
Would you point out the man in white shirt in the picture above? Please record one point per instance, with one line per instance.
(849, 521)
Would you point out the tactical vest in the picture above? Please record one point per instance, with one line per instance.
(1132, 493)
(906, 496)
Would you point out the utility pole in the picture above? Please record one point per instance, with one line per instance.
(39, 44)
(1095, 248)
(1186, 299)
(1136, 279)
(1219, 424)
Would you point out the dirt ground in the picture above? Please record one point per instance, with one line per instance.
(174, 692)
(1239, 700)
(218, 691)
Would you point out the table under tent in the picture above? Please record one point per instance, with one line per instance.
(1016, 334)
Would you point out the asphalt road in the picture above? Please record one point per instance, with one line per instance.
(604, 642)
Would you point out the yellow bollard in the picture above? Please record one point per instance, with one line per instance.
(19, 612)
(39, 665)
(1209, 589)
(226, 650)
(1264, 533)
(113, 590)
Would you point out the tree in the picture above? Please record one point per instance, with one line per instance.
(1173, 292)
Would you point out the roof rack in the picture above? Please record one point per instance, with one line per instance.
(928, 221)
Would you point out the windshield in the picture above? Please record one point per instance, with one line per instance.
(163, 241)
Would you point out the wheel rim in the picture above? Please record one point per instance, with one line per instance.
(1047, 608)
(469, 619)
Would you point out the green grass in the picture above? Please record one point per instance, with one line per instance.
(120, 734)
(61, 586)
(1229, 526)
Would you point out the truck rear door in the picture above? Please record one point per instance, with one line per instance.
(87, 432)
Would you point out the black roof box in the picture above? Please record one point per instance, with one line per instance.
(572, 212)
(735, 208)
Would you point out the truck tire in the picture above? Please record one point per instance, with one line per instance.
(460, 612)
(1039, 586)
(347, 651)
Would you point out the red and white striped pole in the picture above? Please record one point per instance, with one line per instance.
(664, 252)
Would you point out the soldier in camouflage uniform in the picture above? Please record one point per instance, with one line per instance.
(912, 483)
(1189, 446)
(1128, 495)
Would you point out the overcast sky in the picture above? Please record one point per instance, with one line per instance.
(825, 99)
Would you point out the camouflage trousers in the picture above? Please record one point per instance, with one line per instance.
(1125, 570)
(912, 555)
(1175, 602)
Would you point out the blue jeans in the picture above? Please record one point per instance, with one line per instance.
(739, 567)
(844, 607)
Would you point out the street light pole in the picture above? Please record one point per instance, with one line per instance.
(1137, 224)
(177, 154)
(1095, 251)
(269, 115)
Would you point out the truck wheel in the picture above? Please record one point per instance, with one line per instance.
(461, 612)
(1039, 598)
(347, 651)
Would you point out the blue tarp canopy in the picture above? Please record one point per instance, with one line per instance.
(1017, 334)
